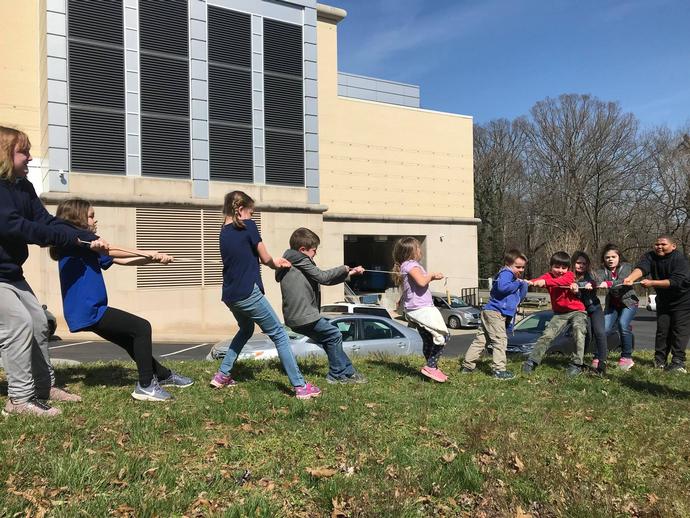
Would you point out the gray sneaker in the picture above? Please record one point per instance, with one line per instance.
(176, 380)
(32, 407)
(153, 392)
(347, 380)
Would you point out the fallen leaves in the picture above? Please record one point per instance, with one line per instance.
(517, 463)
(322, 472)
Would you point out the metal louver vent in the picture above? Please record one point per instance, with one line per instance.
(190, 234)
(283, 103)
(96, 75)
(230, 95)
(164, 81)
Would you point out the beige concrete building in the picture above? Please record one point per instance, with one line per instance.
(155, 125)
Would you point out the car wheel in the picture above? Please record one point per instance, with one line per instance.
(454, 322)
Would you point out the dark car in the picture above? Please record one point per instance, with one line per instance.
(528, 330)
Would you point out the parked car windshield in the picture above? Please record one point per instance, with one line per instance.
(455, 302)
(534, 323)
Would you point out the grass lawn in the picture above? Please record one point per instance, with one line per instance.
(398, 446)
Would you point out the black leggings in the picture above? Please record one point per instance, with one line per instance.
(432, 352)
(596, 321)
(133, 334)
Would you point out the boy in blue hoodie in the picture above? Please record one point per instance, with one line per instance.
(497, 316)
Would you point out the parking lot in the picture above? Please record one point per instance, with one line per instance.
(644, 327)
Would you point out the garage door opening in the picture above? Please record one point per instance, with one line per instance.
(374, 253)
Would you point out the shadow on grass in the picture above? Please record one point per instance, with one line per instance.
(397, 367)
(654, 389)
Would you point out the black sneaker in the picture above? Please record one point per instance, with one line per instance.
(660, 365)
(346, 380)
(503, 375)
(528, 367)
(466, 370)
(676, 368)
(600, 370)
(573, 370)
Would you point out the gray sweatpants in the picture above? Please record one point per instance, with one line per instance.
(24, 343)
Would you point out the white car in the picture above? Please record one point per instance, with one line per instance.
(362, 334)
(651, 302)
(362, 309)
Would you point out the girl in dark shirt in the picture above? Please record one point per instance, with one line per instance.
(241, 249)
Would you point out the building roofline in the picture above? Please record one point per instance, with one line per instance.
(380, 103)
(330, 13)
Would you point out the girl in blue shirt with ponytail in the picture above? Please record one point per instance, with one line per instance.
(85, 303)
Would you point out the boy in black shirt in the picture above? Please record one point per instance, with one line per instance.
(670, 277)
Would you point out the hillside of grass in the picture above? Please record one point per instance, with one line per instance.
(397, 446)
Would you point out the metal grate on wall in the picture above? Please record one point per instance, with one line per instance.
(190, 234)
(230, 95)
(283, 103)
(96, 79)
(164, 83)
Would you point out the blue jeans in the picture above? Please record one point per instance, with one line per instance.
(329, 336)
(623, 316)
(255, 309)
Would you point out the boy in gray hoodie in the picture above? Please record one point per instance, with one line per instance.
(300, 287)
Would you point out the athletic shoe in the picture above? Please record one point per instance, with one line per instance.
(176, 380)
(221, 380)
(307, 391)
(346, 380)
(503, 375)
(153, 392)
(573, 370)
(466, 370)
(677, 368)
(600, 370)
(625, 364)
(61, 394)
(660, 365)
(434, 374)
(528, 367)
(31, 407)
(595, 364)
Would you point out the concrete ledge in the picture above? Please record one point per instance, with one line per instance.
(375, 218)
(148, 201)
(330, 13)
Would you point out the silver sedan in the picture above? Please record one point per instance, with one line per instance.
(362, 334)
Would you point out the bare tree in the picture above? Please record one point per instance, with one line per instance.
(498, 167)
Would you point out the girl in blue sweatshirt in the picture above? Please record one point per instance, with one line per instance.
(497, 317)
(85, 303)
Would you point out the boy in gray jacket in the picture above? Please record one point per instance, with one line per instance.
(300, 287)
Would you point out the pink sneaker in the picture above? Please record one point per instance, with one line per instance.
(307, 391)
(434, 374)
(221, 380)
(625, 364)
(595, 363)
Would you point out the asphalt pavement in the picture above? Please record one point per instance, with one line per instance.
(644, 327)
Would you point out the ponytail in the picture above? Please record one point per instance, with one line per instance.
(234, 201)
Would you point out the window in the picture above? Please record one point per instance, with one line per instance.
(230, 95)
(164, 60)
(188, 234)
(347, 328)
(96, 75)
(283, 103)
(534, 323)
(377, 330)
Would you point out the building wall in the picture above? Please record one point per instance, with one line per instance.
(19, 67)
(393, 160)
(409, 171)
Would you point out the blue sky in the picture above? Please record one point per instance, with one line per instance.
(496, 58)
